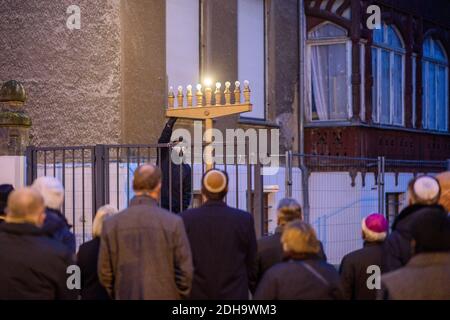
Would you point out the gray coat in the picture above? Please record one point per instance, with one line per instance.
(425, 277)
(145, 253)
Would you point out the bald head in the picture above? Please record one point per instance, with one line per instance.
(444, 182)
(25, 205)
(215, 184)
(147, 178)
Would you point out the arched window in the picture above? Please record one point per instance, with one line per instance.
(328, 69)
(388, 67)
(435, 84)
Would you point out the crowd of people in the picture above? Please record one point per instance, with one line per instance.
(211, 252)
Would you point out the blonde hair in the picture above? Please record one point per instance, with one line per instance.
(102, 213)
(299, 237)
(444, 181)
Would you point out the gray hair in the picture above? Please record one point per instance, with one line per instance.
(51, 190)
(102, 213)
(288, 210)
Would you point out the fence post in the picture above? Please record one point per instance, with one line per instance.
(30, 163)
(99, 167)
(288, 175)
(258, 201)
(448, 164)
(381, 195)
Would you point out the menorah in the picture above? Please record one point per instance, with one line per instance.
(205, 110)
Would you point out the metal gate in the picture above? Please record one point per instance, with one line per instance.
(96, 175)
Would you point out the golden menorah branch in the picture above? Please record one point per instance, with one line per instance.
(206, 110)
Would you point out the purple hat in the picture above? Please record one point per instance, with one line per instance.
(375, 227)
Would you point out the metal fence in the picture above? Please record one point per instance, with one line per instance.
(335, 192)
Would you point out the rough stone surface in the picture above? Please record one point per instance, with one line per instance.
(72, 77)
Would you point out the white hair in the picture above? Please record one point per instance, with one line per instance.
(51, 190)
(102, 213)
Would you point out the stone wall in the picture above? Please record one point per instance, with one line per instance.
(72, 77)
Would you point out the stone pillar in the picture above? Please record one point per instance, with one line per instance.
(15, 124)
(15, 127)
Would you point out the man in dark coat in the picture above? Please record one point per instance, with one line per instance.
(171, 173)
(55, 224)
(422, 192)
(303, 275)
(426, 276)
(223, 243)
(356, 266)
(270, 250)
(144, 251)
(32, 265)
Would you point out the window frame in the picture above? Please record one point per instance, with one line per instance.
(327, 42)
(379, 47)
(425, 69)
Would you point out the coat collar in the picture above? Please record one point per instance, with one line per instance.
(21, 229)
(142, 200)
(214, 203)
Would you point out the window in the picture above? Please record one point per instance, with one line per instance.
(394, 202)
(182, 42)
(251, 52)
(388, 66)
(435, 84)
(329, 68)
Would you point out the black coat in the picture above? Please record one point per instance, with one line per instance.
(57, 227)
(32, 265)
(223, 245)
(354, 274)
(270, 252)
(397, 246)
(306, 279)
(171, 173)
(91, 289)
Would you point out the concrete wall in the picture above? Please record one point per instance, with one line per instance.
(72, 76)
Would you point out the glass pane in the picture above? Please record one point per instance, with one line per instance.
(385, 88)
(427, 44)
(424, 94)
(441, 111)
(375, 85)
(329, 82)
(439, 52)
(431, 96)
(328, 30)
(398, 92)
(378, 35)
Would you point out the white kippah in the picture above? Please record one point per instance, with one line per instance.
(217, 188)
(426, 188)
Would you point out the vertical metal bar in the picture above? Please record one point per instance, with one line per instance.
(45, 163)
(258, 202)
(448, 164)
(170, 178)
(54, 163)
(383, 207)
(192, 171)
(158, 161)
(138, 156)
(249, 179)
(107, 177)
(93, 182)
(73, 193)
(30, 164)
(64, 179)
(224, 148)
(128, 176)
(83, 220)
(288, 174)
(117, 177)
(237, 177)
(181, 186)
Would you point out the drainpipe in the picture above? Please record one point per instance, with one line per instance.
(301, 106)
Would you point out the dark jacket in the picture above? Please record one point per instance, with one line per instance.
(425, 277)
(171, 173)
(223, 246)
(91, 289)
(145, 254)
(32, 266)
(270, 252)
(354, 274)
(310, 278)
(397, 246)
(57, 227)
